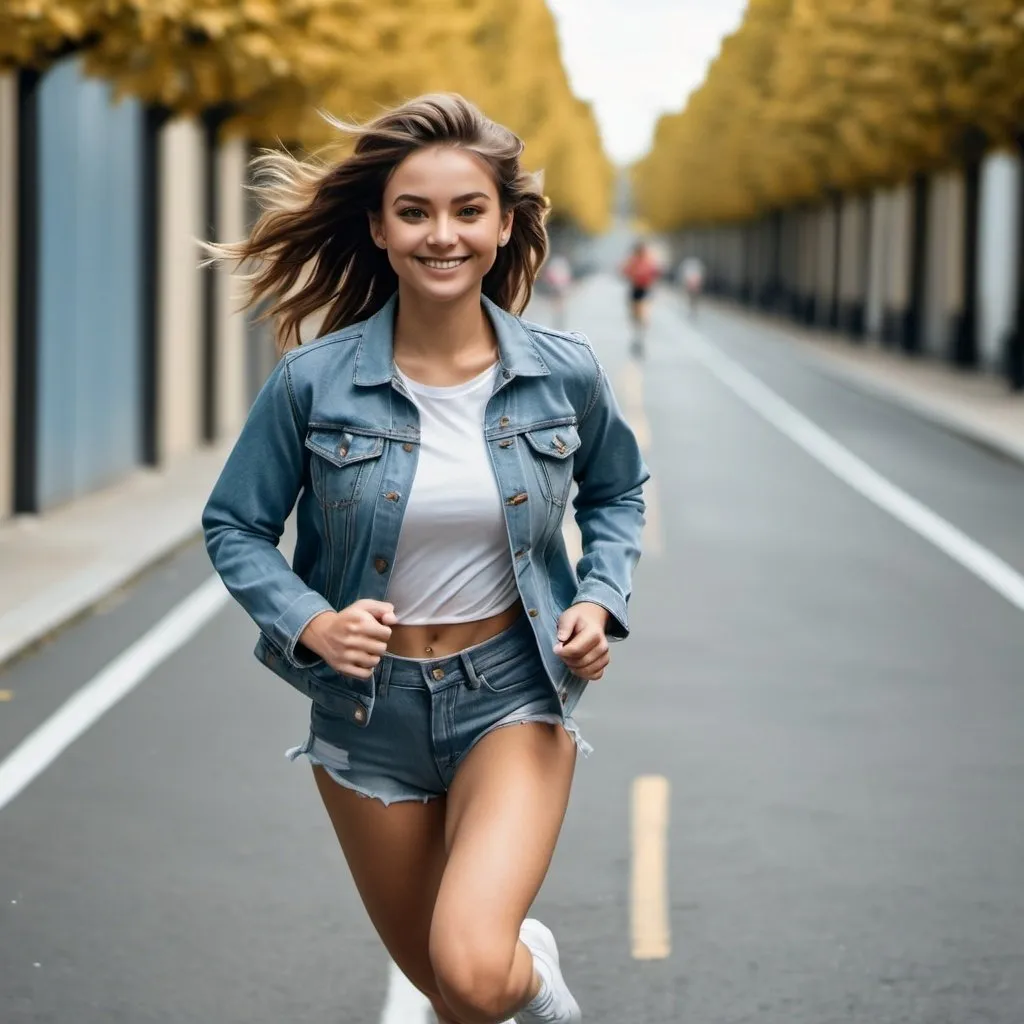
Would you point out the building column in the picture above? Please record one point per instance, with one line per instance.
(825, 271)
(8, 283)
(231, 403)
(997, 255)
(179, 371)
(853, 243)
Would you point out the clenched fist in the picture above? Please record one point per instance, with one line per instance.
(353, 640)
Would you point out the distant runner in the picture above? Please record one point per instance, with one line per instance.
(691, 277)
(641, 270)
(557, 276)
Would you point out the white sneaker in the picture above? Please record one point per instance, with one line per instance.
(554, 1004)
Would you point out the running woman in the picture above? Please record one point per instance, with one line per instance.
(431, 614)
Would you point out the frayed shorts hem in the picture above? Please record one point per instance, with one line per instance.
(390, 791)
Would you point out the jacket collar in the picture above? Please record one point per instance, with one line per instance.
(518, 352)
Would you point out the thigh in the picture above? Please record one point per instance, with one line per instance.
(505, 810)
(397, 856)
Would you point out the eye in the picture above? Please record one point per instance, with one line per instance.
(470, 211)
(411, 212)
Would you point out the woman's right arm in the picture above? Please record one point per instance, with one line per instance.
(245, 516)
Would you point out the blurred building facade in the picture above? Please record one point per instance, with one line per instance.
(859, 168)
(124, 139)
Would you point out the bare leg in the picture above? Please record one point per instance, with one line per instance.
(505, 810)
(397, 856)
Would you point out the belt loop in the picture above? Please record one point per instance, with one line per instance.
(472, 679)
(383, 674)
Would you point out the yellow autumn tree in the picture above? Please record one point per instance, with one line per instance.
(267, 66)
(811, 96)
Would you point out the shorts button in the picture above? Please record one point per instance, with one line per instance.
(359, 714)
(381, 565)
(504, 421)
(533, 613)
(438, 674)
(406, 447)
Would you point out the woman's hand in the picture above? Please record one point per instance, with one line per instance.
(353, 640)
(582, 643)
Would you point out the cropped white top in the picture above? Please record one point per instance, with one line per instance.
(453, 562)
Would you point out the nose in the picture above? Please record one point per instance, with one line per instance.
(444, 234)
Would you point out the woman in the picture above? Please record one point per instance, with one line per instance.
(430, 438)
(641, 270)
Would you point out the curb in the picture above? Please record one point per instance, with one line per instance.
(932, 412)
(58, 606)
(131, 526)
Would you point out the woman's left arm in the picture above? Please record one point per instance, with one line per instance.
(610, 473)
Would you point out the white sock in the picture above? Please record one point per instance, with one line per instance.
(553, 1003)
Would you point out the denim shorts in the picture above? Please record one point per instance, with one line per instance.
(428, 714)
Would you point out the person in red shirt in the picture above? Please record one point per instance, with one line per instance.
(641, 270)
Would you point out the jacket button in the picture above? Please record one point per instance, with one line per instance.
(533, 613)
(391, 496)
(342, 450)
(507, 443)
(522, 551)
(380, 564)
(406, 447)
(504, 421)
(518, 499)
(359, 714)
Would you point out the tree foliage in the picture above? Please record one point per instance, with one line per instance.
(811, 96)
(268, 65)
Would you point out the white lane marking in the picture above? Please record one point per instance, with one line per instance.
(840, 461)
(43, 746)
(649, 920)
(405, 1004)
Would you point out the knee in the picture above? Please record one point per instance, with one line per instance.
(473, 975)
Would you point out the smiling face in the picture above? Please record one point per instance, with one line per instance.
(441, 223)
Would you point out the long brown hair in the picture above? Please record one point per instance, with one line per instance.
(311, 247)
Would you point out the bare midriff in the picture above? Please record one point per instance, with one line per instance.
(449, 638)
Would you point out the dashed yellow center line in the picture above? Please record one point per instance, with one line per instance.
(649, 920)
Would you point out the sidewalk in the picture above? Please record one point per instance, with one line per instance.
(975, 405)
(56, 566)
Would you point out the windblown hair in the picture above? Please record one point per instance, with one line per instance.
(311, 250)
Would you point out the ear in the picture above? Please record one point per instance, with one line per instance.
(377, 230)
(506, 227)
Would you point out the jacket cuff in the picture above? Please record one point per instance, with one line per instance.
(288, 628)
(597, 592)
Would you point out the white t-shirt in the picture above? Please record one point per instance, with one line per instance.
(453, 562)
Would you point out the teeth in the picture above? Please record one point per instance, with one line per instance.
(443, 264)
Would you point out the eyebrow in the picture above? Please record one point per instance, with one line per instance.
(426, 202)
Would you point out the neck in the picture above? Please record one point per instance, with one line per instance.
(440, 330)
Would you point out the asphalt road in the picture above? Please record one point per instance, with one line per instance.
(837, 705)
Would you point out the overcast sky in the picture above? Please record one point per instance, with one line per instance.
(638, 59)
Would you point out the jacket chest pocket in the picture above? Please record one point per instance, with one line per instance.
(341, 463)
(552, 450)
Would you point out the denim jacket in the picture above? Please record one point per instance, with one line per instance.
(334, 429)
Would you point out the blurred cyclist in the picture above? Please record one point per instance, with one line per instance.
(691, 277)
(641, 270)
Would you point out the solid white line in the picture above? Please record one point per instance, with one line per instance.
(404, 1004)
(853, 471)
(42, 747)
